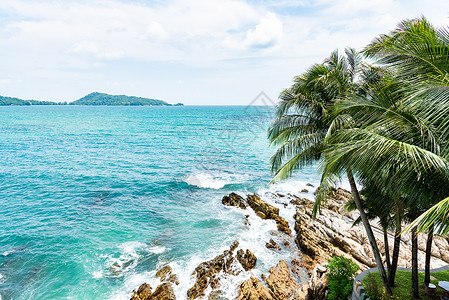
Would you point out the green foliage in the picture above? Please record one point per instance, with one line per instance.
(403, 281)
(340, 276)
(116, 100)
(16, 101)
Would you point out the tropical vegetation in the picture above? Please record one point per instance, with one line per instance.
(384, 126)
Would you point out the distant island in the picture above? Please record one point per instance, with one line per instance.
(95, 99)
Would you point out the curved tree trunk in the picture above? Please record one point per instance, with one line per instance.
(395, 258)
(387, 249)
(415, 290)
(428, 255)
(369, 232)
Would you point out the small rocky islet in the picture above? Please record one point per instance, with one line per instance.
(316, 240)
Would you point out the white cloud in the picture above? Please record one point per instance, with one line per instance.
(58, 48)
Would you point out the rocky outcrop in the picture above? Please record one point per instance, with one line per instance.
(260, 207)
(164, 272)
(162, 292)
(234, 200)
(253, 289)
(273, 245)
(207, 273)
(142, 293)
(332, 233)
(280, 282)
(248, 260)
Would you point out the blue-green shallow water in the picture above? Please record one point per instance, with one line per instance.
(84, 188)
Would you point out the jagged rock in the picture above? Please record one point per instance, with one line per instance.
(267, 211)
(317, 285)
(217, 295)
(206, 273)
(234, 246)
(258, 205)
(234, 200)
(309, 184)
(280, 282)
(248, 260)
(164, 272)
(174, 279)
(142, 293)
(247, 220)
(253, 289)
(163, 292)
(273, 245)
(282, 225)
(304, 191)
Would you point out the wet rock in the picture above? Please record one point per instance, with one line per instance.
(217, 295)
(164, 292)
(282, 225)
(267, 211)
(233, 246)
(304, 191)
(280, 282)
(174, 279)
(142, 293)
(248, 260)
(164, 272)
(272, 245)
(246, 222)
(258, 205)
(309, 184)
(234, 200)
(207, 272)
(253, 289)
(115, 269)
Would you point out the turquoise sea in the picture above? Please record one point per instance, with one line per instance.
(94, 199)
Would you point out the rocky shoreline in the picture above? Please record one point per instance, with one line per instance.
(310, 242)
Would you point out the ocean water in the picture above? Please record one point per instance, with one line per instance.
(95, 199)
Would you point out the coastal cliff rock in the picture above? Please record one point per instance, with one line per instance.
(164, 272)
(162, 292)
(207, 273)
(234, 200)
(253, 289)
(280, 282)
(142, 293)
(332, 233)
(260, 207)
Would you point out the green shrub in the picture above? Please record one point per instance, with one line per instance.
(340, 275)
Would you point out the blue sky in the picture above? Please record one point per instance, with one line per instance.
(208, 52)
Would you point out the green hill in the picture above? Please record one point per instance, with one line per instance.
(106, 99)
(93, 99)
(17, 101)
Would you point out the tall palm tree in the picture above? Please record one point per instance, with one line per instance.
(419, 54)
(304, 120)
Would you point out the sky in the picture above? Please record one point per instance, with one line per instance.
(198, 52)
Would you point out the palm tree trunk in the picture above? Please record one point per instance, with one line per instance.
(415, 290)
(387, 249)
(395, 258)
(428, 255)
(369, 231)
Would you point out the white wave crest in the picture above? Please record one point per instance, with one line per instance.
(209, 181)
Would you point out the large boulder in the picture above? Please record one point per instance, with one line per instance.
(253, 289)
(267, 211)
(281, 283)
(248, 260)
(207, 272)
(142, 293)
(234, 199)
(163, 292)
(164, 272)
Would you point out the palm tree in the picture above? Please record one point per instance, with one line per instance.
(419, 54)
(304, 120)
